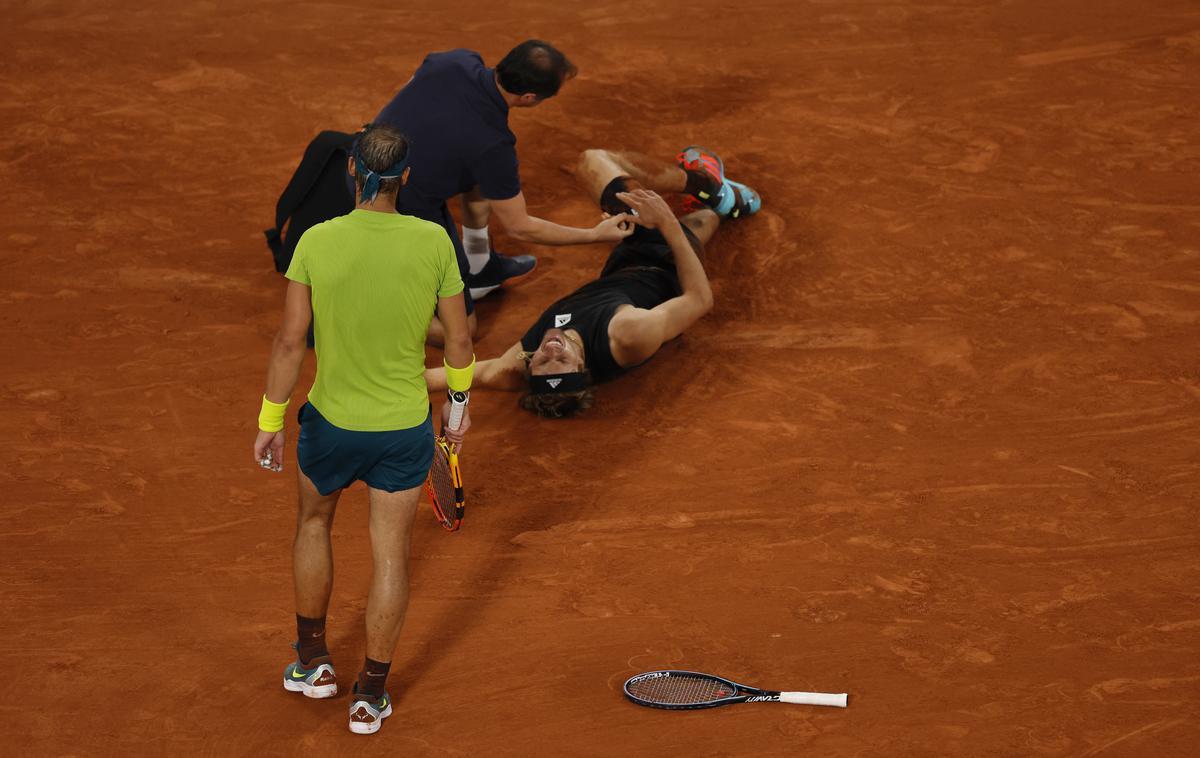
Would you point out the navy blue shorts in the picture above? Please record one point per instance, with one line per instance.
(334, 458)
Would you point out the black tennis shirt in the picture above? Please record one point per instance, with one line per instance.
(639, 272)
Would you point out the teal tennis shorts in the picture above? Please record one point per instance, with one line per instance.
(334, 458)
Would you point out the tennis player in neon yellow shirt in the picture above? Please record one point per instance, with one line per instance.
(370, 281)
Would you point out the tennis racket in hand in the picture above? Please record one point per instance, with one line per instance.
(689, 690)
(444, 484)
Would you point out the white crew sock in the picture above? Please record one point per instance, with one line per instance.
(477, 247)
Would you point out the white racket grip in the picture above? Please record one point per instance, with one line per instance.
(456, 412)
(814, 698)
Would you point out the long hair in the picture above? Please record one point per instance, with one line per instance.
(559, 405)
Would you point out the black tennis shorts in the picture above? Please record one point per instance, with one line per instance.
(645, 247)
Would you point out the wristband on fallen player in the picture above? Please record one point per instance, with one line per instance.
(270, 418)
(459, 379)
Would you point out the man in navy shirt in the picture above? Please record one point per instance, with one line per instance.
(455, 112)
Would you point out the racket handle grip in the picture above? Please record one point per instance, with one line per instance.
(458, 404)
(814, 698)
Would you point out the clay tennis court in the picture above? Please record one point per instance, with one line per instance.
(937, 446)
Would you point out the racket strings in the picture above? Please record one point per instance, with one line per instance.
(443, 483)
(681, 689)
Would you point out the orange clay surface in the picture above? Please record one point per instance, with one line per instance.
(936, 446)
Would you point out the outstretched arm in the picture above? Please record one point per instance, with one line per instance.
(635, 334)
(504, 373)
(514, 215)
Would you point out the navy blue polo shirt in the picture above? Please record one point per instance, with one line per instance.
(457, 120)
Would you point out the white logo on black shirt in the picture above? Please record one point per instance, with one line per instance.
(554, 383)
(562, 320)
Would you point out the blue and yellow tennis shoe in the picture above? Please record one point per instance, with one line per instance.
(314, 680)
(367, 713)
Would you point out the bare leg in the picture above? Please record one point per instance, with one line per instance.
(596, 168)
(391, 531)
(476, 209)
(437, 333)
(702, 223)
(312, 551)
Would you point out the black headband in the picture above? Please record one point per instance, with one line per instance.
(553, 384)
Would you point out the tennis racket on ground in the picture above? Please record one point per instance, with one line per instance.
(444, 483)
(689, 690)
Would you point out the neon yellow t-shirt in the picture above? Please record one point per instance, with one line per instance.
(375, 280)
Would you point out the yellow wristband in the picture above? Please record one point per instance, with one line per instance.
(270, 418)
(459, 379)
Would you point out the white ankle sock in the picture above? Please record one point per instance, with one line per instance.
(477, 247)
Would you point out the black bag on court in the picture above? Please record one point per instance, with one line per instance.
(318, 191)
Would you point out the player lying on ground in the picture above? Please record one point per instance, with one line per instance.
(369, 279)
(651, 289)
